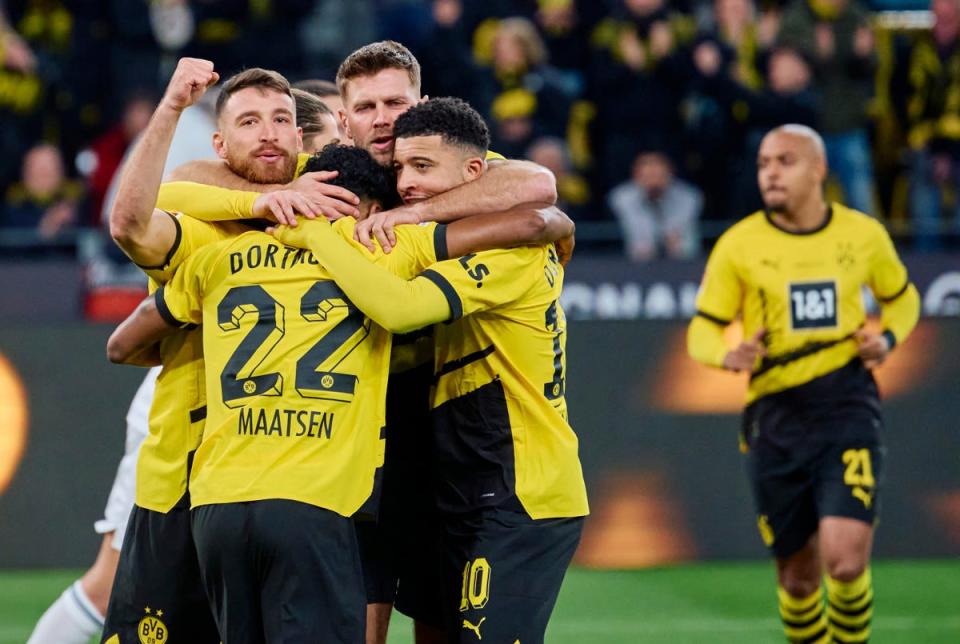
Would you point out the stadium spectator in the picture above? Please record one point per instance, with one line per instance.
(636, 85)
(230, 32)
(933, 70)
(566, 26)
(573, 191)
(446, 57)
(21, 101)
(837, 37)
(714, 139)
(788, 97)
(316, 121)
(332, 29)
(657, 211)
(138, 41)
(327, 92)
(528, 97)
(46, 200)
(107, 150)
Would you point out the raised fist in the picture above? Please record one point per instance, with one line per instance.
(190, 80)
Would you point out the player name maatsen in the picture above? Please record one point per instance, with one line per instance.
(270, 256)
(296, 423)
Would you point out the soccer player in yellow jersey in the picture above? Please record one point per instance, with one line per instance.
(509, 486)
(297, 378)
(257, 136)
(318, 124)
(812, 426)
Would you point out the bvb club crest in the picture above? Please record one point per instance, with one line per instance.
(151, 630)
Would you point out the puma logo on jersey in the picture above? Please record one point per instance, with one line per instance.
(475, 629)
(863, 495)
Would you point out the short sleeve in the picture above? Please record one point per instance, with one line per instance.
(483, 281)
(721, 291)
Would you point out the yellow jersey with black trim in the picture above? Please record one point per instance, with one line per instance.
(805, 291)
(499, 406)
(177, 411)
(296, 376)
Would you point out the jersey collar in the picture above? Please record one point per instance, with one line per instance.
(812, 231)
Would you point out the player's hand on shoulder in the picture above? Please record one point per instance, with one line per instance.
(283, 206)
(190, 80)
(873, 348)
(564, 248)
(333, 202)
(745, 356)
(380, 226)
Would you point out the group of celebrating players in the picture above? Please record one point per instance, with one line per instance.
(354, 415)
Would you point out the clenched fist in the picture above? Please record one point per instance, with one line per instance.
(191, 78)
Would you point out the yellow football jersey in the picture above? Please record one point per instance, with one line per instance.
(296, 375)
(501, 360)
(177, 411)
(804, 290)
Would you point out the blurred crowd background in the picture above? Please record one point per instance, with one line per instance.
(648, 112)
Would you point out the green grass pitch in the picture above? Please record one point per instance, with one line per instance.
(918, 602)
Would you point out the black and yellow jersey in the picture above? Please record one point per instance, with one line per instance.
(499, 410)
(804, 290)
(295, 374)
(176, 413)
(500, 365)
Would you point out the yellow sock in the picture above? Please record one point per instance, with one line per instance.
(850, 608)
(804, 621)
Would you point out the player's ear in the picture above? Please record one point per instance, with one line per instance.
(219, 145)
(299, 139)
(344, 126)
(473, 167)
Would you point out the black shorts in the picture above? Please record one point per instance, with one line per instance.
(281, 571)
(814, 451)
(402, 560)
(157, 594)
(400, 551)
(502, 574)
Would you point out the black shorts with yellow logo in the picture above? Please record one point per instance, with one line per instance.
(814, 451)
(502, 573)
(157, 595)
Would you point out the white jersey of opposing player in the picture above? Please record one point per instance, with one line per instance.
(120, 501)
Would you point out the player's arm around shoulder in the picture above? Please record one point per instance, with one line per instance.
(399, 305)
